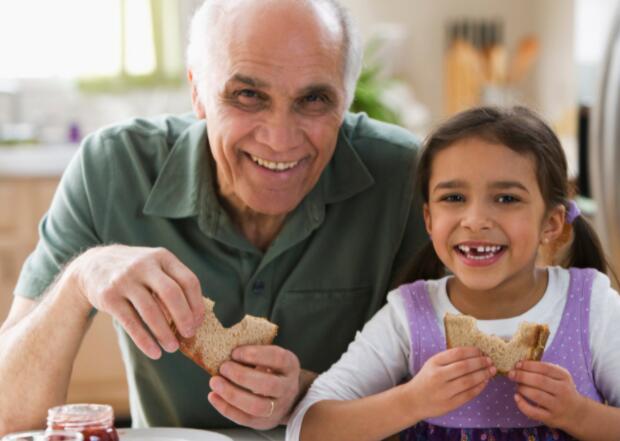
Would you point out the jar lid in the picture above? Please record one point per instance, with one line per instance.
(77, 415)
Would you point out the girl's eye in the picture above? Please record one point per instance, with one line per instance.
(507, 199)
(453, 198)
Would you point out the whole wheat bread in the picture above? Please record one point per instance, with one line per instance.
(213, 343)
(528, 343)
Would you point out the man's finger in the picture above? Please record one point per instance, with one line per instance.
(188, 282)
(243, 400)
(276, 358)
(258, 381)
(151, 313)
(127, 317)
(173, 301)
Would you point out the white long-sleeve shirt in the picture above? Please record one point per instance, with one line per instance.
(378, 358)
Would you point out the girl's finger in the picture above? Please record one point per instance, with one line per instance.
(456, 354)
(538, 396)
(530, 410)
(535, 380)
(467, 366)
(467, 395)
(548, 369)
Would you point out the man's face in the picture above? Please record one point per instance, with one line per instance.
(274, 101)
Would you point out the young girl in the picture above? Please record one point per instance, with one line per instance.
(495, 188)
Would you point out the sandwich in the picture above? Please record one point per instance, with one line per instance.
(213, 343)
(528, 343)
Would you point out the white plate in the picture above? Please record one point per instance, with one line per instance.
(170, 434)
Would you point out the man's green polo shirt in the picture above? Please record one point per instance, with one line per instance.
(150, 183)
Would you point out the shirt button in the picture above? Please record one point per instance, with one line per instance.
(258, 287)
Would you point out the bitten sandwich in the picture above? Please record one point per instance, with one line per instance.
(528, 343)
(213, 343)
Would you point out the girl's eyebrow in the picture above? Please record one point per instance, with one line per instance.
(457, 183)
(504, 185)
(448, 185)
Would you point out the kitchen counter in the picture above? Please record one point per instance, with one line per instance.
(37, 160)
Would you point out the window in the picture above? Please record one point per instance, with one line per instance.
(95, 41)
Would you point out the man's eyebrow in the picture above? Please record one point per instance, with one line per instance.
(250, 81)
(318, 88)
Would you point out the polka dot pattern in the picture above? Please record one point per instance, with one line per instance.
(495, 406)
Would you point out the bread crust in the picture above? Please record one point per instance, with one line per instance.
(528, 343)
(213, 344)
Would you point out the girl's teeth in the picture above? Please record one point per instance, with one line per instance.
(480, 252)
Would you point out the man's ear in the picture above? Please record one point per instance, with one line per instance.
(427, 218)
(553, 224)
(199, 109)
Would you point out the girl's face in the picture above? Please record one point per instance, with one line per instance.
(486, 214)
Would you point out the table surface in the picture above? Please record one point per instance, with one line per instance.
(251, 435)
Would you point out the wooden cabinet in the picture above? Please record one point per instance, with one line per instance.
(98, 374)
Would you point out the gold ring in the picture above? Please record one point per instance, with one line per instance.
(273, 406)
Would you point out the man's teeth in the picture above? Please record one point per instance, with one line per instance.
(479, 252)
(275, 166)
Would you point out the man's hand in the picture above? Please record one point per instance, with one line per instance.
(139, 286)
(450, 379)
(258, 388)
(554, 399)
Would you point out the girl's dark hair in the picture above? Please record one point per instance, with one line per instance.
(524, 132)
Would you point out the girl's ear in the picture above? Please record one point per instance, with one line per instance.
(553, 224)
(426, 211)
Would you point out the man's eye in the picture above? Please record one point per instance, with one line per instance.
(507, 199)
(314, 103)
(246, 94)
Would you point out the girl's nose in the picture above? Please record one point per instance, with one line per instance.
(476, 218)
(280, 131)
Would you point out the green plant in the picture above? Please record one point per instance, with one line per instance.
(370, 87)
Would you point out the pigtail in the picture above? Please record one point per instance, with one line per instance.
(425, 265)
(586, 250)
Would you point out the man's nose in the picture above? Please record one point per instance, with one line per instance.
(280, 131)
(477, 217)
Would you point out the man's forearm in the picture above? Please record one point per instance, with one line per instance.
(37, 353)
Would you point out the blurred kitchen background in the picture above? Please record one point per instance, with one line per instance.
(69, 67)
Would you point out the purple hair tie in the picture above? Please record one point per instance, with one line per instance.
(573, 212)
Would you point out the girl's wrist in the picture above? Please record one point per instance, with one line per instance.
(580, 413)
(409, 404)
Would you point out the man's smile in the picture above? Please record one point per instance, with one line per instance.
(273, 165)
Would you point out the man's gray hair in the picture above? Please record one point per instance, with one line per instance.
(206, 16)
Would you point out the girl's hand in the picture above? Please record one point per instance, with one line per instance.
(450, 379)
(554, 398)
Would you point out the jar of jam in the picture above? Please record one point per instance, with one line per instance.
(94, 421)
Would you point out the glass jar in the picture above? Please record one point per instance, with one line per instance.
(94, 421)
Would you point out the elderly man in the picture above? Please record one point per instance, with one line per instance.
(272, 201)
